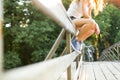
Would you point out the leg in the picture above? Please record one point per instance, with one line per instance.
(87, 27)
(85, 32)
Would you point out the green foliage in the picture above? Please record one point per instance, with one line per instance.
(115, 24)
(66, 3)
(29, 34)
(11, 60)
(103, 20)
(36, 32)
(38, 55)
(109, 22)
(117, 38)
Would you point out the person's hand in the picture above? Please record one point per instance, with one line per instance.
(97, 30)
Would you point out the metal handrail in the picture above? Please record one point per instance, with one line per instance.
(55, 45)
(53, 68)
(111, 53)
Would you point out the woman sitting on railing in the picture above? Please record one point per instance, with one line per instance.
(80, 13)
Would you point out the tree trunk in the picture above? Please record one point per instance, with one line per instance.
(96, 48)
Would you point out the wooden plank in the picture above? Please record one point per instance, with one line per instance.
(116, 65)
(99, 75)
(113, 70)
(100, 71)
(83, 72)
(73, 70)
(68, 44)
(78, 71)
(89, 72)
(107, 73)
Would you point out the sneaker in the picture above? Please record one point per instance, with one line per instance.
(77, 46)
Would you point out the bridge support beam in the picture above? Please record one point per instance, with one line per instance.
(68, 43)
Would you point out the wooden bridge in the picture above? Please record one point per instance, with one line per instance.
(100, 71)
(105, 70)
(70, 65)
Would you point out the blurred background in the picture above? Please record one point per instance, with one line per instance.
(29, 35)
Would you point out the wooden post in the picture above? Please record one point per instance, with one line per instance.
(56, 44)
(96, 48)
(63, 52)
(1, 40)
(68, 42)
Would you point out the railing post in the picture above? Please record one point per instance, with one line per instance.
(1, 40)
(56, 44)
(68, 43)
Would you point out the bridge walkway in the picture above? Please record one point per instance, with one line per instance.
(100, 71)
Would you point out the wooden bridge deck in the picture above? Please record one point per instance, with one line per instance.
(100, 71)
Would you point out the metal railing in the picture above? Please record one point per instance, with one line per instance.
(51, 68)
(66, 50)
(112, 53)
(56, 12)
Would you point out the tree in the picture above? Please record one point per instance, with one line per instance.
(27, 32)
